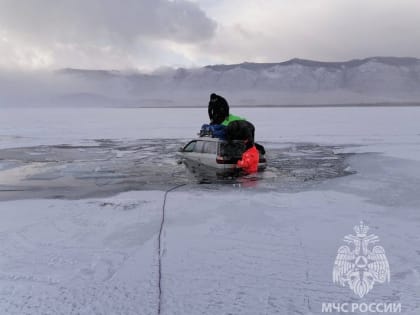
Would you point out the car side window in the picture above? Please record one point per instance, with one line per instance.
(199, 147)
(190, 146)
(210, 147)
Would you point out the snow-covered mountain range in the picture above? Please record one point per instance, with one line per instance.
(297, 81)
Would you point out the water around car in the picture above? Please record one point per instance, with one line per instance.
(107, 167)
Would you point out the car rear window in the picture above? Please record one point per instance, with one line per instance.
(232, 150)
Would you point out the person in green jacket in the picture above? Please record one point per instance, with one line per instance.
(231, 118)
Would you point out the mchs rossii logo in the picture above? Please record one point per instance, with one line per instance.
(361, 263)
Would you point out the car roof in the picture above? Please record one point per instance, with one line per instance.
(208, 139)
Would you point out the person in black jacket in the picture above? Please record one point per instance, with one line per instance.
(243, 130)
(218, 109)
(240, 130)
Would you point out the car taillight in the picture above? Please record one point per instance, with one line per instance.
(222, 160)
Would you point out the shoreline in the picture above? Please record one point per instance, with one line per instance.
(343, 105)
(408, 104)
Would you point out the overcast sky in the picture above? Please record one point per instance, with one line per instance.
(146, 34)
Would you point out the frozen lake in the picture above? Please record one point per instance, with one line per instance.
(82, 193)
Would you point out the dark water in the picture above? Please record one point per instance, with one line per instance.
(109, 166)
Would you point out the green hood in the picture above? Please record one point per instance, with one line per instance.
(231, 118)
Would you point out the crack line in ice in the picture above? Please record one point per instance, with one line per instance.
(162, 222)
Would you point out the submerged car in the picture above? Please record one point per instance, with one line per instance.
(213, 155)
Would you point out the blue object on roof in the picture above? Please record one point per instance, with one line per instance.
(215, 131)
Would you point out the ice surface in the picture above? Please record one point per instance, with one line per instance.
(253, 248)
(79, 257)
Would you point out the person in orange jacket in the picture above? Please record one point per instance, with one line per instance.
(250, 159)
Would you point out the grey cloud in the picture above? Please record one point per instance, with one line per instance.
(316, 29)
(105, 22)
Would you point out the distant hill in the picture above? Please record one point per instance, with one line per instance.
(391, 61)
(293, 82)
